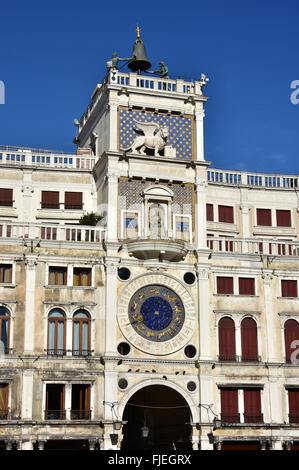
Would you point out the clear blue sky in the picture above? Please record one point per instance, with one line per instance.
(53, 53)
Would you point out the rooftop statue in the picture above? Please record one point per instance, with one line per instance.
(113, 62)
(162, 72)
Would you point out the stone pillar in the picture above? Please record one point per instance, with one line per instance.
(27, 394)
(201, 214)
(113, 144)
(41, 445)
(199, 115)
(272, 347)
(205, 443)
(204, 311)
(277, 444)
(108, 434)
(27, 191)
(30, 262)
(112, 195)
(111, 265)
(68, 400)
(245, 223)
(238, 341)
(26, 445)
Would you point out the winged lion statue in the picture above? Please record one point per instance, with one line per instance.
(152, 136)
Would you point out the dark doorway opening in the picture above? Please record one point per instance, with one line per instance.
(67, 444)
(161, 412)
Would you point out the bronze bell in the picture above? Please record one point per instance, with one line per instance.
(139, 60)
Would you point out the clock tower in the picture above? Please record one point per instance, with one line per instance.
(146, 131)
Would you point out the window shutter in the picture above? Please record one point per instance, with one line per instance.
(3, 398)
(283, 218)
(210, 212)
(252, 405)
(227, 343)
(263, 217)
(50, 199)
(249, 340)
(226, 214)
(225, 285)
(294, 405)
(73, 200)
(291, 333)
(246, 286)
(6, 197)
(229, 405)
(289, 288)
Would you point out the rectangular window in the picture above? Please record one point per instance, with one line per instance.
(55, 401)
(50, 200)
(288, 288)
(82, 277)
(6, 197)
(73, 201)
(229, 405)
(80, 401)
(225, 285)
(57, 276)
(130, 225)
(252, 406)
(3, 400)
(182, 227)
(283, 218)
(5, 273)
(210, 212)
(246, 286)
(226, 214)
(293, 405)
(263, 217)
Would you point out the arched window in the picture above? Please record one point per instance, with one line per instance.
(291, 333)
(4, 330)
(56, 332)
(81, 333)
(227, 342)
(249, 340)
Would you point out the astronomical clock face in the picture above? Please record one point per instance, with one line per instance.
(156, 313)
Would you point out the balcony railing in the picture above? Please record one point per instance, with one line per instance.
(68, 233)
(248, 418)
(26, 157)
(293, 418)
(260, 180)
(55, 414)
(4, 414)
(56, 352)
(227, 357)
(229, 419)
(253, 246)
(82, 352)
(80, 414)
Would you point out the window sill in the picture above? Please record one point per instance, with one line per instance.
(288, 298)
(236, 295)
(8, 284)
(54, 286)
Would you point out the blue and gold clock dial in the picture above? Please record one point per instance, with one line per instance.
(156, 313)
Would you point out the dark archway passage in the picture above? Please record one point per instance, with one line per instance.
(165, 413)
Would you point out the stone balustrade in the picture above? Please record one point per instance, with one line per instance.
(258, 180)
(51, 232)
(253, 246)
(23, 157)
